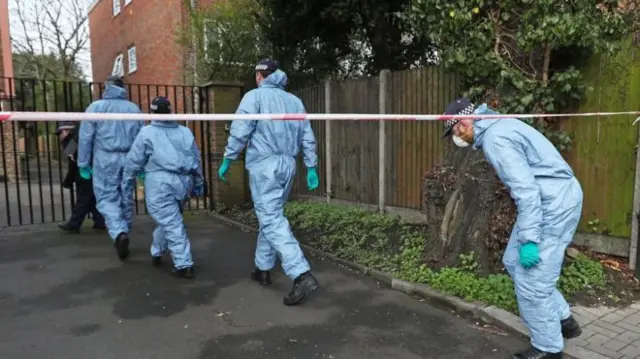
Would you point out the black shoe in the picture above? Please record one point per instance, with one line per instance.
(534, 353)
(186, 272)
(156, 261)
(67, 228)
(122, 246)
(570, 328)
(303, 286)
(261, 276)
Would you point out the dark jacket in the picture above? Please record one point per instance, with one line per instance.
(72, 174)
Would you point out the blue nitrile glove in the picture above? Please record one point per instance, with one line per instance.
(312, 178)
(141, 176)
(223, 169)
(529, 255)
(85, 172)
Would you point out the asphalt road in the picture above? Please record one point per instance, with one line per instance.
(66, 296)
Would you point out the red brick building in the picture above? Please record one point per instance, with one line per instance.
(6, 63)
(139, 37)
(137, 40)
(9, 130)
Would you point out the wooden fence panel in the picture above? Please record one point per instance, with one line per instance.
(313, 99)
(603, 156)
(355, 143)
(414, 147)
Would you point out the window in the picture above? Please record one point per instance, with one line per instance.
(118, 69)
(127, 2)
(133, 60)
(116, 7)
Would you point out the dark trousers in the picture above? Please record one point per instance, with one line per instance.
(85, 203)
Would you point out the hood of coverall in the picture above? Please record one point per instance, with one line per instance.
(278, 79)
(481, 126)
(112, 92)
(165, 123)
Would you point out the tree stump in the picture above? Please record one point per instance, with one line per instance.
(467, 209)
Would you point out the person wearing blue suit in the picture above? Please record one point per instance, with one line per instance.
(166, 156)
(272, 148)
(548, 198)
(103, 147)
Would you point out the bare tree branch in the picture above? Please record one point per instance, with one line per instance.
(53, 36)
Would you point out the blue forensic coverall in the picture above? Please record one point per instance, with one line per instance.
(271, 161)
(168, 155)
(103, 145)
(549, 202)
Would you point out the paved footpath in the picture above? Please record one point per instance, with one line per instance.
(609, 333)
(65, 296)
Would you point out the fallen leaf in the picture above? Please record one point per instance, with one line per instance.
(610, 263)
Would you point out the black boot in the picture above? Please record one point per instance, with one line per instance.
(261, 276)
(67, 228)
(534, 353)
(570, 328)
(122, 246)
(156, 261)
(303, 286)
(186, 272)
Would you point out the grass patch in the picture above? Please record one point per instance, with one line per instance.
(388, 244)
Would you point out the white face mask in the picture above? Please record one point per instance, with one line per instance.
(460, 142)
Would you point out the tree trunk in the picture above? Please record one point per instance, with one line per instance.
(468, 209)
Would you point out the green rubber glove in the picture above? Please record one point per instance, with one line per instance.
(312, 178)
(85, 172)
(529, 255)
(223, 169)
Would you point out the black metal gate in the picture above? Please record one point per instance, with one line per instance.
(32, 167)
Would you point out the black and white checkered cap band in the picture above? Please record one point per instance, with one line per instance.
(448, 124)
(155, 107)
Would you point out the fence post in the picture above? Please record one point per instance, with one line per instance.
(327, 138)
(634, 254)
(382, 137)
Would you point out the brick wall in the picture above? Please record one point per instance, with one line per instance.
(9, 134)
(6, 62)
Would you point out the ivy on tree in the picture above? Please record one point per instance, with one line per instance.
(522, 55)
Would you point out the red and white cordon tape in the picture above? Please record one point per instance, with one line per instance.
(83, 116)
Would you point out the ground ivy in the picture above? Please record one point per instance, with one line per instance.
(386, 243)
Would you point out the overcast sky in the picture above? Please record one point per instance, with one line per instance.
(17, 32)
